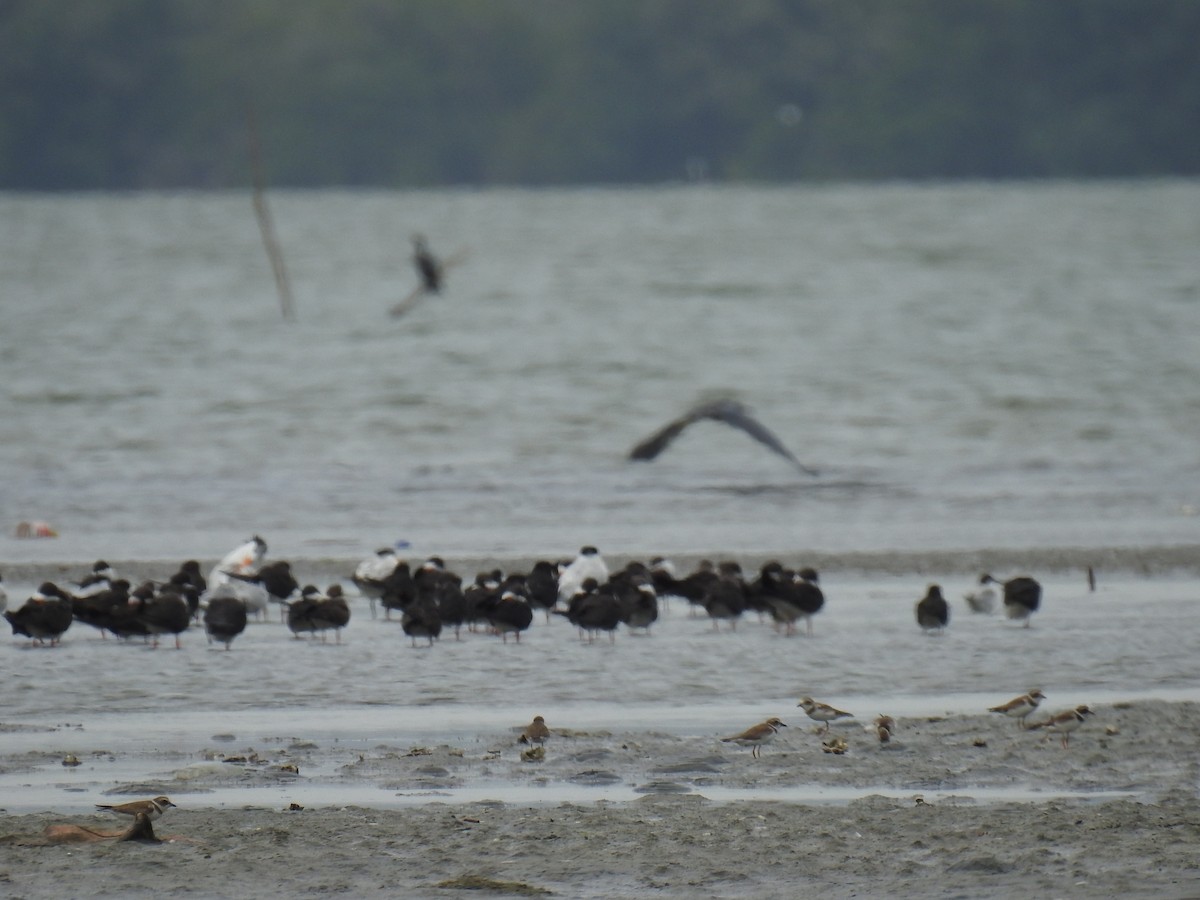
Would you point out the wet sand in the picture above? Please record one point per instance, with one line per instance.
(934, 813)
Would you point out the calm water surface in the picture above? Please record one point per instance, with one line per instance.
(967, 365)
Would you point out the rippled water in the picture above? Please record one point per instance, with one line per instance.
(967, 366)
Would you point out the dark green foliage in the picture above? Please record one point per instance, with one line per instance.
(154, 93)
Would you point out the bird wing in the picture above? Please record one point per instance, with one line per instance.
(733, 413)
(728, 411)
(405, 305)
(658, 442)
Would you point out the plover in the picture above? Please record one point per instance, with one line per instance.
(1020, 707)
(756, 735)
(1064, 723)
(535, 732)
(822, 712)
(151, 809)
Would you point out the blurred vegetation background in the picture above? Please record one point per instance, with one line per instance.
(118, 94)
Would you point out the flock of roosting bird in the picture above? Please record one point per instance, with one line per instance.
(430, 599)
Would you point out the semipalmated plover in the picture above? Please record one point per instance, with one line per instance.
(756, 735)
(151, 809)
(1019, 707)
(822, 712)
(1064, 723)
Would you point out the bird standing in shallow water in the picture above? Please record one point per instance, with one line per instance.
(1022, 596)
(933, 612)
(225, 617)
(983, 599)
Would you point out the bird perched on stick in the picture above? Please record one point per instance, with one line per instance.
(726, 410)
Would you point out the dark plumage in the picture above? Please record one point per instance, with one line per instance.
(933, 612)
(634, 589)
(790, 595)
(510, 614)
(541, 586)
(44, 617)
(594, 608)
(105, 609)
(422, 618)
(398, 590)
(224, 619)
(276, 579)
(166, 612)
(731, 412)
(300, 611)
(725, 597)
(1022, 596)
(332, 613)
(431, 273)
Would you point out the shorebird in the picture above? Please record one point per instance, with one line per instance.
(422, 619)
(225, 617)
(165, 612)
(726, 410)
(151, 809)
(789, 595)
(982, 600)
(1022, 596)
(594, 608)
(535, 732)
(588, 564)
(756, 735)
(1064, 723)
(822, 712)
(332, 613)
(885, 727)
(241, 559)
(371, 575)
(45, 616)
(510, 614)
(933, 612)
(1020, 707)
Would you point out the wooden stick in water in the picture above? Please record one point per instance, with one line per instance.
(265, 223)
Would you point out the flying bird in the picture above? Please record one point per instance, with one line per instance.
(726, 410)
(430, 270)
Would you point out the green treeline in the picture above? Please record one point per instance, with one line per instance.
(155, 93)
